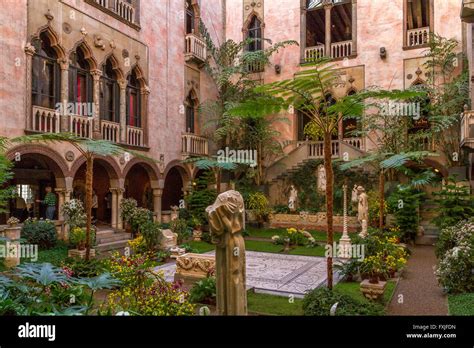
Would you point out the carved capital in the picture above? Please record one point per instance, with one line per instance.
(30, 49)
(122, 83)
(145, 90)
(96, 74)
(63, 63)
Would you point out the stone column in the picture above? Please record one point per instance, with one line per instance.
(114, 208)
(12, 258)
(120, 193)
(327, 9)
(345, 241)
(157, 193)
(30, 51)
(123, 111)
(64, 117)
(61, 199)
(303, 31)
(96, 133)
(354, 27)
(145, 92)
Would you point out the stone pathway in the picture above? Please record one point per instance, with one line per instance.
(276, 274)
(419, 287)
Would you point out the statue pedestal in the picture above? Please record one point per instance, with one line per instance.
(12, 257)
(345, 247)
(191, 268)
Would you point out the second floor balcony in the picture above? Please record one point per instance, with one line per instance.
(467, 130)
(195, 49)
(194, 145)
(418, 36)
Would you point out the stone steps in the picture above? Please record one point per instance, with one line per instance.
(427, 239)
(120, 244)
(110, 240)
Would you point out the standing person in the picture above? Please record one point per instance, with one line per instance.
(95, 205)
(50, 202)
(20, 208)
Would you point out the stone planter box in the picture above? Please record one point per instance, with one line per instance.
(191, 268)
(372, 291)
(311, 221)
(80, 254)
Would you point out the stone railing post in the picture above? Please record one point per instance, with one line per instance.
(157, 193)
(123, 111)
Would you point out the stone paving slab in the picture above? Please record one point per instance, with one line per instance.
(276, 274)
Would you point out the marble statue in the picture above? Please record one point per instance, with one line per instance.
(322, 179)
(226, 222)
(363, 210)
(293, 198)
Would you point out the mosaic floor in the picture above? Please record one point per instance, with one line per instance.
(276, 274)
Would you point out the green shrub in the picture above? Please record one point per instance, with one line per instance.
(258, 202)
(455, 270)
(151, 233)
(200, 197)
(77, 238)
(40, 232)
(461, 233)
(82, 268)
(74, 213)
(454, 204)
(181, 228)
(204, 291)
(319, 301)
(405, 203)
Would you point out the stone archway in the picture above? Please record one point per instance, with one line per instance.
(177, 179)
(36, 167)
(107, 186)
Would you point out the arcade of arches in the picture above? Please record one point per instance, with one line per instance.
(37, 167)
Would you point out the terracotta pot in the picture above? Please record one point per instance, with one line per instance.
(373, 279)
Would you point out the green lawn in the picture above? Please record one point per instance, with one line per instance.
(270, 232)
(302, 250)
(54, 256)
(352, 289)
(461, 304)
(202, 247)
(267, 247)
(273, 305)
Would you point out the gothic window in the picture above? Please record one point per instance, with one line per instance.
(191, 106)
(418, 22)
(133, 100)
(46, 83)
(190, 17)
(254, 32)
(109, 93)
(80, 81)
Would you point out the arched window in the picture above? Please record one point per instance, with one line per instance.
(80, 82)
(46, 79)
(254, 31)
(109, 94)
(190, 17)
(133, 100)
(191, 106)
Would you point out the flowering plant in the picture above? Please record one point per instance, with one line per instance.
(294, 237)
(74, 213)
(12, 221)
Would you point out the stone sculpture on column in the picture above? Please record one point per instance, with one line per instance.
(293, 198)
(226, 222)
(363, 210)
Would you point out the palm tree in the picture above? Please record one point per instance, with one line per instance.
(216, 165)
(309, 92)
(89, 148)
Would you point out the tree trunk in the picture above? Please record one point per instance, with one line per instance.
(89, 175)
(329, 202)
(382, 197)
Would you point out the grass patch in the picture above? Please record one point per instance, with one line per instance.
(273, 305)
(270, 232)
(54, 256)
(267, 247)
(202, 247)
(352, 289)
(461, 304)
(304, 251)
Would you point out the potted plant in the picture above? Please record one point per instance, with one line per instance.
(13, 221)
(258, 202)
(127, 209)
(374, 266)
(197, 228)
(77, 239)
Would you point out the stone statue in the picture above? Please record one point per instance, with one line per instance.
(226, 218)
(293, 198)
(363, 210)
(321, 179)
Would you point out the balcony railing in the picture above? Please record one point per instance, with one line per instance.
(356, 142)
(316, 149)
(341, 49)
(81, 126)
(417, 37)
(313, 53)
(134, 136)
(467, 129)
(195, 48)
(121, 9)
(45, 120)
(194, 145)
(110, 131)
